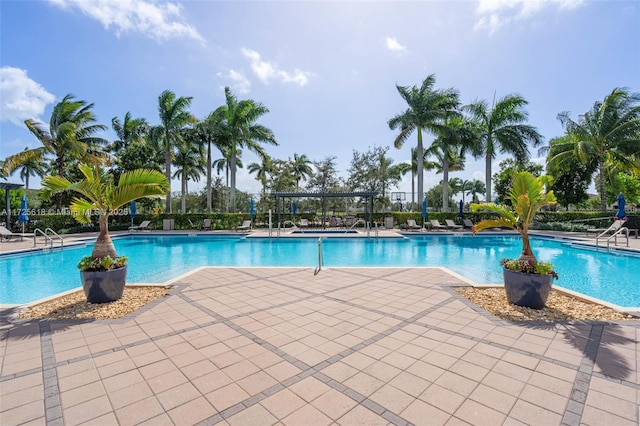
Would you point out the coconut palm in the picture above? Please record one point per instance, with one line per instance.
(301, 168)
(128, 131)
(262, 171)
(70, 135)
(99, 193)
(501, 129)
(174, 117)
(237, 128)
(605, 137)
(31, 166)
(427, 109)
(189, 162)
(455, 138)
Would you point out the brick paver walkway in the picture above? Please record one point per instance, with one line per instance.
(349, 346)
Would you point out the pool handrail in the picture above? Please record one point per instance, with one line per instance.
(47, 237)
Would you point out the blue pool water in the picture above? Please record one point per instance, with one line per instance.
(155, 258)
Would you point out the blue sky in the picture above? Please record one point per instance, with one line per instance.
(326, 70)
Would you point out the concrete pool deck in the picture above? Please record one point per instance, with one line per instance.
(348, 346)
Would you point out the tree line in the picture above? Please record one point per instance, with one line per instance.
(603, 144)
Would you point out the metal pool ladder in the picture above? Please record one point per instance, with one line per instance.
(49, 235)
(319, 267)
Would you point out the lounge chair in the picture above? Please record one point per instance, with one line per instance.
(452, 225)
(206, 225)
(6, 235)
(144, 226)
(304, 223)
(435, 224)
(246, 226)
(467, 223)
(412, 225)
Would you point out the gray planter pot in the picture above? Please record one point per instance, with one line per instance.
(528, 290)
(104, 286)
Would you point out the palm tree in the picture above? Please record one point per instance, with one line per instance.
(606, 136)
(69, 135)
(262, 171)
(455, 138)
(173, 118)
(502, 129)
(189, 165)
(475, 187)
(301, 168)
(208, 131)
(31, 166)
(100, 194)
(128, 131)
(427, 110)
(237, 128)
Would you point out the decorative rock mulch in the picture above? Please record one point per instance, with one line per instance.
(560, 307)
(75, 305)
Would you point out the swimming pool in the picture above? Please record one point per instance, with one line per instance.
(157, 258)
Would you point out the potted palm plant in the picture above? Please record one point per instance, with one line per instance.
(527, 282)
(104, 273)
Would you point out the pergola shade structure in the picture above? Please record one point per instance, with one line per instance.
(7, 188)
(281, 197)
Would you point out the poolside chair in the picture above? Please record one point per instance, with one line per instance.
(246, 226)
(467, 223)
(435, 224)
(206, 225)
(452, 225)
(6, 235)
(412, 225)
(617, 224)
(304, 223)
(144, 226)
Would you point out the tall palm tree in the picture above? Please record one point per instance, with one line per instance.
(100, 194)
(70, 135)
(208, 132)
(501, 129)
(128, 131)
(262, 171)
(301, 168)
(31, 166)
(427, 109)
(237, 128)
(189, 164)
(173, 118)
(607, 136)
(454, 139)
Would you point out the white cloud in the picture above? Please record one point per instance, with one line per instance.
(267, 71)
(22, 98)
(157, 21)
(239, 82)
(394, 45)
(495, 13)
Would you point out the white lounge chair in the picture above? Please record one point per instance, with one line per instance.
(435, 224)
(601, 231)
(452, 225)
(246, 226)
(206, 225)
(6, 235)
(144, 226)
(412, 225)
(304, 223)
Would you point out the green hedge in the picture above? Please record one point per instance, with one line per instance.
(65, 224)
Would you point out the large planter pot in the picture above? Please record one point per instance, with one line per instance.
(528, 290)
(104, 286)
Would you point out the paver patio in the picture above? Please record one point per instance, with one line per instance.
(349, 346)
